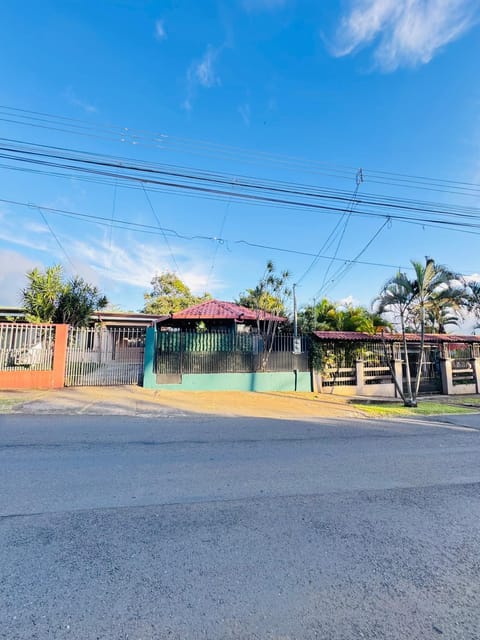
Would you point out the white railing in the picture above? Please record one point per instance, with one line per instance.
(26, 346)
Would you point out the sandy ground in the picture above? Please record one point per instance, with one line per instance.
(131, 400)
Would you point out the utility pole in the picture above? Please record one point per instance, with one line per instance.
(297, 342)
(295, 327)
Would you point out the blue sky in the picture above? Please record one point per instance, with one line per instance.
(238, 87)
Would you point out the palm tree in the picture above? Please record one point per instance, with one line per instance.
(433, 282)
(433, 286)
(396, 297)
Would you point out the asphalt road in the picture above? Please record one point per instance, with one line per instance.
(184, 528)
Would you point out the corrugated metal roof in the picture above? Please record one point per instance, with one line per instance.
(221, 310)
(355, 336)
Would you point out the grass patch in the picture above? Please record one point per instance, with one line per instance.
(7, 405)
(425, 408)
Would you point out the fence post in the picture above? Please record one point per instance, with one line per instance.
(360, 377)
(475, 362)
(149, 379)
(446, 375)
(398, 373)
(60, 355)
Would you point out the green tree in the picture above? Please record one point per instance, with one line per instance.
(40, 296)
(77, 301)
(411, 300)
(269, 299)
(170, 294)
(326, 315)
(49, 298)
(396, 298)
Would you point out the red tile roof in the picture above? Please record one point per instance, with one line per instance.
(411, 337)
(220, 310)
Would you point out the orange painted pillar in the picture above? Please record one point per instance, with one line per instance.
(59, 356)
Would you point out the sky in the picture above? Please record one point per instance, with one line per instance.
(295, 91)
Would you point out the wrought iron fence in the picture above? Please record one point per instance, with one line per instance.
(462, 366)
(26, 346)
(179, 352)
(376, 357)
(101, 356)
(336, 363)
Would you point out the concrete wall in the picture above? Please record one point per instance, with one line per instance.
(51, 379)
(259, 381)
(268, 381)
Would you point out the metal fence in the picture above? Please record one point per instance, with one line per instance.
(186, 352)
(462, 367)
(337, 364)
(376, 367)
(26, 346)
(105, 356)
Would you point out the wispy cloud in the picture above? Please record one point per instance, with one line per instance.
(160, 32)
(263, 5)
(135, 263)
(245, 112)
(403, 32)
(13, 267)
(202, 73)
(110, 264)
(78, 102)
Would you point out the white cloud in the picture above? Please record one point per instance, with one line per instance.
(13, 266)
(244, 111)
(263, 5)
(78, 102)
(160, 32)
(348, 301)
(135, 263)
(404, 32)
(202, 73)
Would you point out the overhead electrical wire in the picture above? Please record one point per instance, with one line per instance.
(138, 136)
(177, 269)
(153, 230)
(57, 240)
(214, 184)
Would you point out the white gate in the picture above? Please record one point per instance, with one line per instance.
(104, 356)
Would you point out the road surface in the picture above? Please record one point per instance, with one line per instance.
(213, 528)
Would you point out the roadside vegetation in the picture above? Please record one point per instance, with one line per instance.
(426, 407)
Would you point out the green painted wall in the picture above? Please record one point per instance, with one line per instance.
(268, 381)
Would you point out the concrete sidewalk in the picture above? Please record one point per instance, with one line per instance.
(136, 401)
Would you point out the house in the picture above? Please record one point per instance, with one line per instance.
(217, 316)
(350, 362)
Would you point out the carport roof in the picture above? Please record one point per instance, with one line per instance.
(357, 336)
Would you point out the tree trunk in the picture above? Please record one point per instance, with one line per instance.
(410, 401)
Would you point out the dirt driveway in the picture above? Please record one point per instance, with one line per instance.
(131, 400)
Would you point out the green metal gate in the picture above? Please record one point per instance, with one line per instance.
(104, 356)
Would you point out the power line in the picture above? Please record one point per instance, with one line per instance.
(150, 229)
(162, 140)
(162, 230)
(62, 248)
(153, 230)
(269, 194)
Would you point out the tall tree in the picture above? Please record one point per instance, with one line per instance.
(170, 294)
(49, 298)
(77, 302)
(269, 299)
(40, 296)
(326, 315)
(414, 298)
(396, 298)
